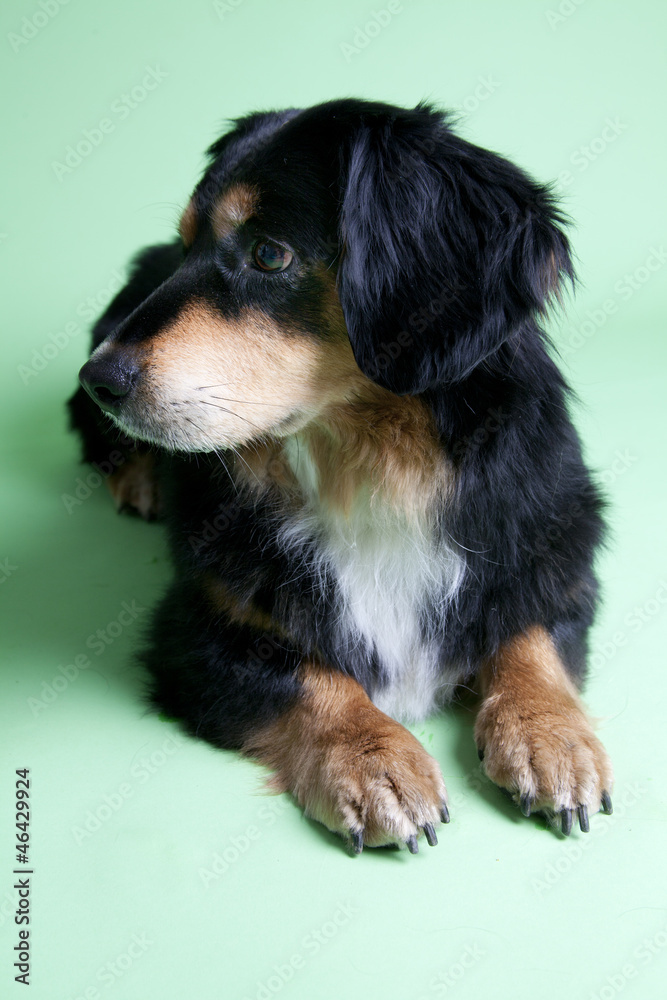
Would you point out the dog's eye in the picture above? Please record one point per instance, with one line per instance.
(270, 256)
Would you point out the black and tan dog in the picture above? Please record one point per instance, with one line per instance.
(335, 391)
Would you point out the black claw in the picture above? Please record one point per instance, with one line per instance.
(412, 845)
(566, 821)
(526, 804)
(429, 833)
(582, 813)
(480, 753)
(606, 805)
(357, 841)
(444, 813)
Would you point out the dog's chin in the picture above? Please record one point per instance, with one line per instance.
(175, 438)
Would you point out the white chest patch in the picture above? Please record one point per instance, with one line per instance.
(389, 570)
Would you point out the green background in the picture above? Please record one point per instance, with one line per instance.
(504, 907)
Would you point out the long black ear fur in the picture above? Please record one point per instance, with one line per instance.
(448, 250)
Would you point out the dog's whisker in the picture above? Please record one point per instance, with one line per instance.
(225, 467)
(250, 402)
(227, 410)
(248, 467)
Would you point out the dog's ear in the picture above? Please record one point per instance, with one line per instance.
(447, 249)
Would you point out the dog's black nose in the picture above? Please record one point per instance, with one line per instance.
(107, 381)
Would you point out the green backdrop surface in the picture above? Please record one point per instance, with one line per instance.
(159, 869)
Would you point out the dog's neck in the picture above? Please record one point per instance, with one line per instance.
(377, 449)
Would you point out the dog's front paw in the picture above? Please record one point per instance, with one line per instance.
(375, 785)
(351, 767)
(548, 760)
(133, 487)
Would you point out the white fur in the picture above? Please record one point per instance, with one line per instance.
(387, 567)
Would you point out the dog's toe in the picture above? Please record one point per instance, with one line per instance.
(549, 763)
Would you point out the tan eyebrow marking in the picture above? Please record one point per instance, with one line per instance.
(187, 227)
(233, 208)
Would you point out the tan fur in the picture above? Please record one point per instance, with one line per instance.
(388, 442)
(237, 379)
(377, 440)
(225, 603)
(233, 208)
(133, 485)
(187, 227)
(534, 731)
(365, 437)
(552, 284)
(209, 382)
(348, 764)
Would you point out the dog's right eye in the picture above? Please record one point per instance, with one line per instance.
(269, 256)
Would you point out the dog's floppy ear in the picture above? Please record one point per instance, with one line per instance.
(447, 250)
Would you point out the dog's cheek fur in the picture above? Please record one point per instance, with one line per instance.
(211, 382)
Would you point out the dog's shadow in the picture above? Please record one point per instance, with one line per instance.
(83, 579)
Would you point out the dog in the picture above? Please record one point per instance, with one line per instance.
(335, 390)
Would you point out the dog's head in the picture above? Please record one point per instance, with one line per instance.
(322, 249)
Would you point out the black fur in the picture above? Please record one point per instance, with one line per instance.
(446, 257)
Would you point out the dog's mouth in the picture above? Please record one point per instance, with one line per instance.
(201, 418)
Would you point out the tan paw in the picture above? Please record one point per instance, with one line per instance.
(549, 760)
(376, 786)
(133, 486)
(351, 767)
